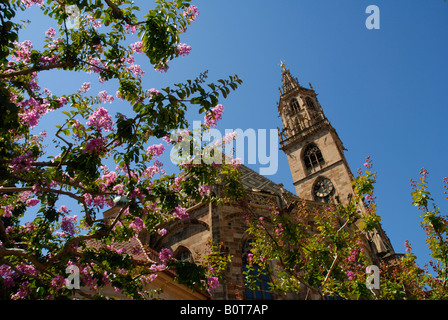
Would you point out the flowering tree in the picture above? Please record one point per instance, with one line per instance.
(324, 250)
(66, 187)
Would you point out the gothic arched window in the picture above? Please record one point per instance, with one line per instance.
(294, 105)
(183, 254)
(313, 157)
(262, 290)
(310, 103)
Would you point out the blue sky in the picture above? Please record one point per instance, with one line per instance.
(383, 90)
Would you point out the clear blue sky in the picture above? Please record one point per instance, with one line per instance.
(383, 90)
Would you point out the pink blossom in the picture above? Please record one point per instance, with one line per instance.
(7, 275)
(63, 209)
(7, 210)
(191, 13)
(136, 70)
(137, 47)
(162, 67)
(94, 64)
(138, 224)
(29, 3)
(22, 163)
(30, 227)
(46, 61)
(119, 189)
(32, 202)
(350, 275)
(84, 88)
(161, 232)
(229, 137)
(22, 52)
(180, 213)
(130, 28)
(213, 116)
(94, 146)
(68, 224)
(165, 255)
(236, 162)
(58, 282)
(100, 119)
(152, 277)
(183, 49)
(213, 283)
(204, 190)
(95, 23)
(155, 150)
(51, 32)
(32, 111)
(105, 97)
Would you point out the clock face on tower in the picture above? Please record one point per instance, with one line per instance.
(323, 188)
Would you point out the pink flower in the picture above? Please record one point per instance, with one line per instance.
(204, 190)
(161, 232)
(105, 97)
(162, 67)
(85, 87)
(155, 150)
(137, 47)
(29, 3)
(22, 163)
(368, 197)
(100, 119)
(32, 111)
(213, 116)
(350, 275)
(183, 49)
(213, 283)
(51, 33)
(138, 224)
(191, 13)
(68, 224)
(7, 210)
(58, 282)
(136, 70)
(180, 213)
(130, 29)
(32, 202)
(152, 277)
(94, 146)
(165, 255)
(22, 52)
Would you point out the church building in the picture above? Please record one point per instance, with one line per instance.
(320, 174)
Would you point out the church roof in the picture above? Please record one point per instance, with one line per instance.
(254, 181)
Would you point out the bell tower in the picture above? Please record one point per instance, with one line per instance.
(312, 146)
(315, 153)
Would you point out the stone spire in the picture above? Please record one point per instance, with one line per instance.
(289, 83)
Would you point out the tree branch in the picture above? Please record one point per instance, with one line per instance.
(39, 68)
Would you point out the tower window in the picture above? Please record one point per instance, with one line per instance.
(294, 105)
(310, 103)
(313, 157)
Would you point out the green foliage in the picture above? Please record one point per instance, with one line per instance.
(325, 250)
(34, 256)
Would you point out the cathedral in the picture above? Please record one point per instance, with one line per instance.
(320, 174)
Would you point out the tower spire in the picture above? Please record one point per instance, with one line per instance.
(289, 83)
